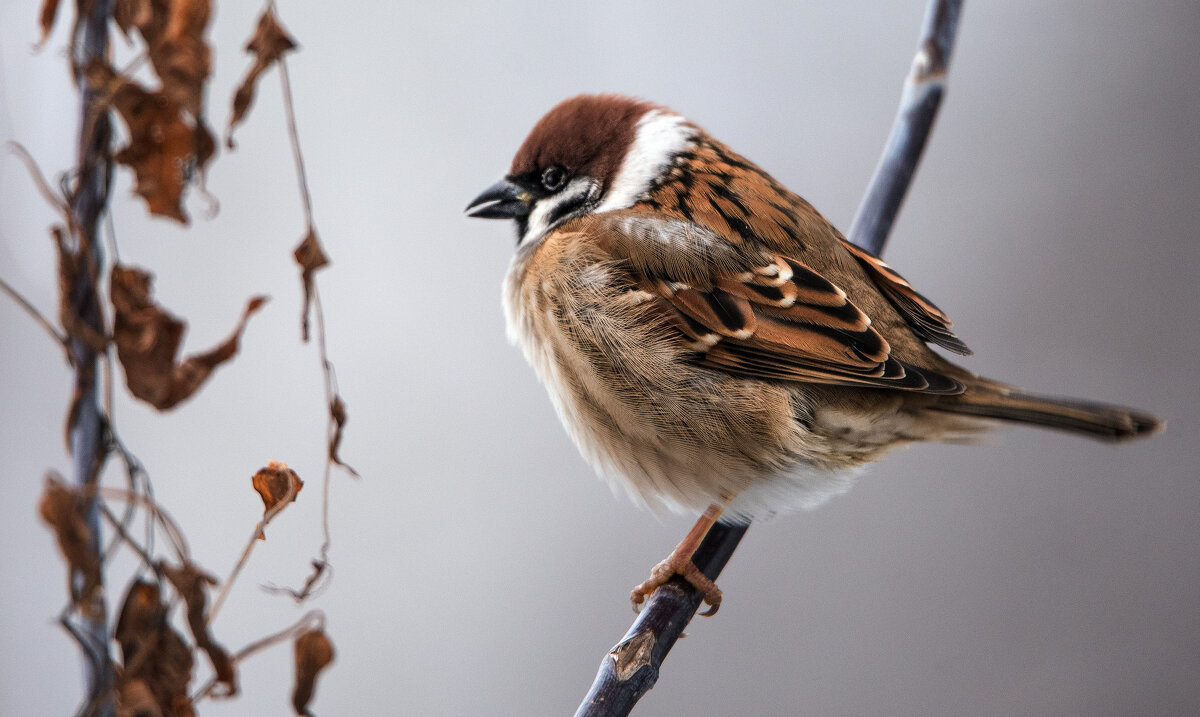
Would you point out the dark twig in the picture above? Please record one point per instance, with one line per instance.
(174, 534)
(85, 428)
(32, 311)
(631, 668)
(923, 92)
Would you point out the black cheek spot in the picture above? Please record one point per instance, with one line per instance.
(566, 208)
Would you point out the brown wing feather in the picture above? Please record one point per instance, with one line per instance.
(927, 320)
(713, 242)
(803, 328)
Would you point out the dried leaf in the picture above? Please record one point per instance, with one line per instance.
(275, 484)
(46, 19)
(142, 615)
(313, 653)
(269, 43)
(156, 659)
(191, 582)
(148, 338)
(164, 150)
(135, 14)
(337, 411)
(65, 510)
(310, 256)
(135, 699)
(148, 17)
(181, 58)
(173, 31)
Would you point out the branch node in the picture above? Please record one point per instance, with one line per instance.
(633, 654)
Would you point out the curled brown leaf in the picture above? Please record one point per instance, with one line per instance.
(142, 614)
(268, 44)
(192, 584)
(310, 255)
(156, 660)
(148, 17)
(46, 19)
(337, 411)
(183, 60)
(133, 15)
(173, 31)
(313, 652)
(65, 510)
(275, 484)
(148, 339)
(165, 148)
(136, 699)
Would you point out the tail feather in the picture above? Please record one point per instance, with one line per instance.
(1094, 420)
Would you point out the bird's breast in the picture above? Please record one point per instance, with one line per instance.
(673, 434)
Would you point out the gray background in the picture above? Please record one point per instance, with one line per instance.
(480, 568)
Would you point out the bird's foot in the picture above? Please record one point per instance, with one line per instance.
(678, 563)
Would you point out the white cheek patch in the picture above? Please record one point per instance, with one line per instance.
(659, 137)
(544, 217)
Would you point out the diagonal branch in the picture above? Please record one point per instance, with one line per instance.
(33, 312)
(631, 668)
(924, 89)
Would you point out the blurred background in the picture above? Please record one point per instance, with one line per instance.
(480, 568)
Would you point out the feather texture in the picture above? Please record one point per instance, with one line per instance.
(771, 317)
(925, 319)
(708, 337)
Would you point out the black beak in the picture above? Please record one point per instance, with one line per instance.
(502, 200)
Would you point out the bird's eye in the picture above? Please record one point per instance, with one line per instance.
(553, 178)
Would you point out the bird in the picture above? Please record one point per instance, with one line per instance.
(712, 343)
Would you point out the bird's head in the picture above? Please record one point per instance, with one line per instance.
(591, 153)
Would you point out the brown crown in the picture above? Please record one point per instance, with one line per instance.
(587, 135)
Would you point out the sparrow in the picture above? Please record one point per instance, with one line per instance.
(710, 341)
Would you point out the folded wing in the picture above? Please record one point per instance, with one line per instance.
(926, 320)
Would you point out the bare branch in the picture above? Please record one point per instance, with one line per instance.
(922, 97)
(227, 584)
(173, 532)
(631, 668)
(119, 526)
(88, 202)
(39, 180)
(60, 339)
(289, 109)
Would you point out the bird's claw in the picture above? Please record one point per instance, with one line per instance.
(685, 568)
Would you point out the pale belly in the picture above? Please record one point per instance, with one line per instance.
(673, 435)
